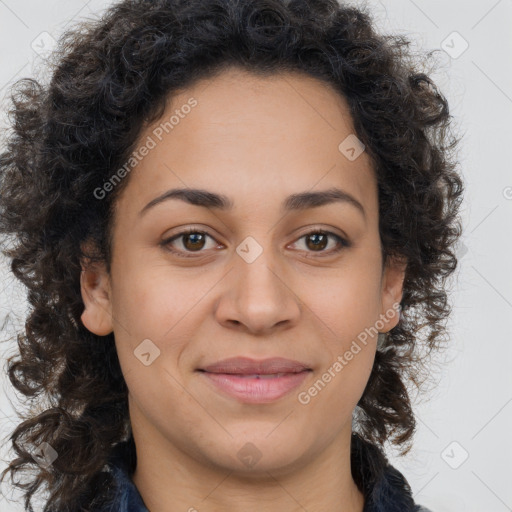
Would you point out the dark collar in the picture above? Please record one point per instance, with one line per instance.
(385, 489)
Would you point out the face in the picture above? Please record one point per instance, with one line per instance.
(269, 274)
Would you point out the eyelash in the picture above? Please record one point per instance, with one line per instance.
(342, 243)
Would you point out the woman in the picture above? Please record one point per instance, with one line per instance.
(246, 212)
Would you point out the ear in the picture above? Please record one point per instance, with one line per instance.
(96, 295)
(391, 291)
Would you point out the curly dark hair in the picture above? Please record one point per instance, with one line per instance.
(111, 76)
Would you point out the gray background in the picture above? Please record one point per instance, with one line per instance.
(462, 453)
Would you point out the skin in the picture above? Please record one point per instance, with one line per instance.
(256, 140)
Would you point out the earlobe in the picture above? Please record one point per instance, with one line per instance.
(392, 290)
(95, 290)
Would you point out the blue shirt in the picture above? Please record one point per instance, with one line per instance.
(384, 491)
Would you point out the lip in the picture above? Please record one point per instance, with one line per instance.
(248, 366)
(239, 378)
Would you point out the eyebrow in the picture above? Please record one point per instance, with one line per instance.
(299, 201)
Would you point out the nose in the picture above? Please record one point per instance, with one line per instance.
(258, 297)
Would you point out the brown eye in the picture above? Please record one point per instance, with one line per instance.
(193, 241)
(317, 241)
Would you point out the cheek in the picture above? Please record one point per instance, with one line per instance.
(339, 384)
(345, 312)
(150, 298)
(154, 302)
(348, 301)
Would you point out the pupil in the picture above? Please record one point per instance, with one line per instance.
(194, 239)
(315, 236)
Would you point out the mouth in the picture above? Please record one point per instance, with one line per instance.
(251, 381)
(247, 366)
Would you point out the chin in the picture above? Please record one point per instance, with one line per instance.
(257, 454)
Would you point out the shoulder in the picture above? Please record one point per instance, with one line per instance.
(124, 495)
(384, 487)
(393, 492)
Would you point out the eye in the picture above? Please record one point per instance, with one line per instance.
(316, 241)
(193, 240)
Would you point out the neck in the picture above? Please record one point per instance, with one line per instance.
(170, 480)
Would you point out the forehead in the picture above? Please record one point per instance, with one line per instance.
(250, 136)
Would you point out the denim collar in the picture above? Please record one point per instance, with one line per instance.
(385, 489)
